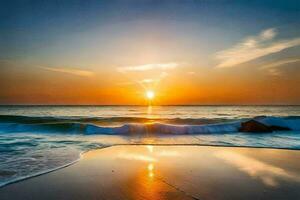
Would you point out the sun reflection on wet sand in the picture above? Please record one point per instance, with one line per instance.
(150, 166)
(147, 183)
(150, 148)
(150, 174)
(137, 156)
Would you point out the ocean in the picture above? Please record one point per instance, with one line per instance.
(39, 139)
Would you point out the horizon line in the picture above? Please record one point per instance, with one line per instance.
(144, 105)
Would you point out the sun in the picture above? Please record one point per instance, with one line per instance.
(150, 94)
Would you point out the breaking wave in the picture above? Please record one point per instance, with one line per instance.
(129, 126)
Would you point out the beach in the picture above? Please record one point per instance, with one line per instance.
(169, 172)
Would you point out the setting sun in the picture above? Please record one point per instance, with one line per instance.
(150, 94)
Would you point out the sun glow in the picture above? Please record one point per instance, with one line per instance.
(150, 94)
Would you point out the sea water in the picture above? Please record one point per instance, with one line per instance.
(38, 139)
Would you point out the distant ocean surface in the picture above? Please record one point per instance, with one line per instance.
(38, 139)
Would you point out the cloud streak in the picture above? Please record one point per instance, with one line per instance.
(148, 67)
(280, 63)
(254, 47)
(76, 72)
(145, 83)
(273, 67)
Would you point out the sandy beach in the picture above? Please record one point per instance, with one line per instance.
(169, 172)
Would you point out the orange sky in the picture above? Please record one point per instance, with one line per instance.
(171, 87)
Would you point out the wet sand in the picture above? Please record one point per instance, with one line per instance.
(169, 172)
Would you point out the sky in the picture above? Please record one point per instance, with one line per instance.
(194, 52)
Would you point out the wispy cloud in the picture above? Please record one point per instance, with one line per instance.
(147, 80)
(254, 47)
(71, 71)
(144, 83)
(274, 72)
(272, 68)
(191, 73)
(147, 67)
(279, 63)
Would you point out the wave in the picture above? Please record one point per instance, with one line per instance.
(106, 120)
(74, 125)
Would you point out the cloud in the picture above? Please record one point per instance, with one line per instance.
(149, 80)
(273, 67)
(144, 81)
(147, 67)
(191, 73)
(274, 72)
(280, 63)
(254, 47)
(76, 72)
(268, 34)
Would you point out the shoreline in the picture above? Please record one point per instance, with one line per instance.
(168, 172)
(144, 144)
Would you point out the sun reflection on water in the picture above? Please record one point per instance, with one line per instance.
(149, 110)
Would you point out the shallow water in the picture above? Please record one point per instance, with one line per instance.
(36, 139)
